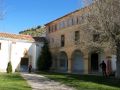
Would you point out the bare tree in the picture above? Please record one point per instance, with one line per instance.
(104, 17)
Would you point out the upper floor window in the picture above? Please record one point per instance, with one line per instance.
(77, 35)
(72, 21)
(96, 37)
(62, 40)
(69, 22)
(80, 19)
(58, 26)
(49, 29)
(62, 24)
(55, 26)
(77, 20)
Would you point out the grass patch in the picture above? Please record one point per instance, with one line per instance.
(13, 82)
(84, 82)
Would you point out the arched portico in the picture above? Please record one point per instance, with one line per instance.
(77, 62)
(62, 62)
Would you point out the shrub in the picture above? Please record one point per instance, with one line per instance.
(9, 67)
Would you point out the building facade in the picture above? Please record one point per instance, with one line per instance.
(69, 40)
(21, 50)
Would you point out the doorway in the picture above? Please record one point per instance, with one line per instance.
(94, 62)
(24, 64)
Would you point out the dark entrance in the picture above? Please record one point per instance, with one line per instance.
(94, 62)
(24, 64)
(63, 62)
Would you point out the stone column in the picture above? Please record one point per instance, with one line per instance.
(69, 65)
(86, 63)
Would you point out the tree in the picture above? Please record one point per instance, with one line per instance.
(104, 17)
(45, 60)
(35, 32)
(9, 67)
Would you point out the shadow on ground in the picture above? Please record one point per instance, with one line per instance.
(69, 79)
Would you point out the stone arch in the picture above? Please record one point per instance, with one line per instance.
(96, 56)
(77, 62)
(62, 61)
(54, 61)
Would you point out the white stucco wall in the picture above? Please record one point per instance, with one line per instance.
(4, 55)
(17, 52)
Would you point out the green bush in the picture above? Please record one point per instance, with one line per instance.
(9, 67)
(44, 61)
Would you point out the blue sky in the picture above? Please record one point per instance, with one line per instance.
(24, 14)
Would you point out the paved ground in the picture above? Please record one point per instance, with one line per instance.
(39, 82)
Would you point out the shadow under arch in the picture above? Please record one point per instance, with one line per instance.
(77, 62)
(62, 62)
(96, 55)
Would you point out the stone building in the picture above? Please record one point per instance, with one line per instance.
(67, 37)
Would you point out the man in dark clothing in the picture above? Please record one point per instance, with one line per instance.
(103, 66)
(29, 68)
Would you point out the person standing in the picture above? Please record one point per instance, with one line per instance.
(30, 68)
(103, 66)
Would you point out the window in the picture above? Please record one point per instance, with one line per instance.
(49, 29)
(52, 28)
(58, 26)
(80, 19)
(62, 40)
(96, 37)
(72, 21)
(77, 35)
(62, 24)
(55, 27)
(69, 22)
(0, 46)
(77, 21)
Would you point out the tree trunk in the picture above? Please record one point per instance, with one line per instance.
(118, 60)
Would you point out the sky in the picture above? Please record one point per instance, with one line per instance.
(24, 14)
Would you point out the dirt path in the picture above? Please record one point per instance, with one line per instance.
(39, 82)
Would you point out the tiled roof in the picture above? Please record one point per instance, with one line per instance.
(15, 36)
(40, 39)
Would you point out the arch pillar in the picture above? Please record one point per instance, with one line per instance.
(69, 65)
(86, 62)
